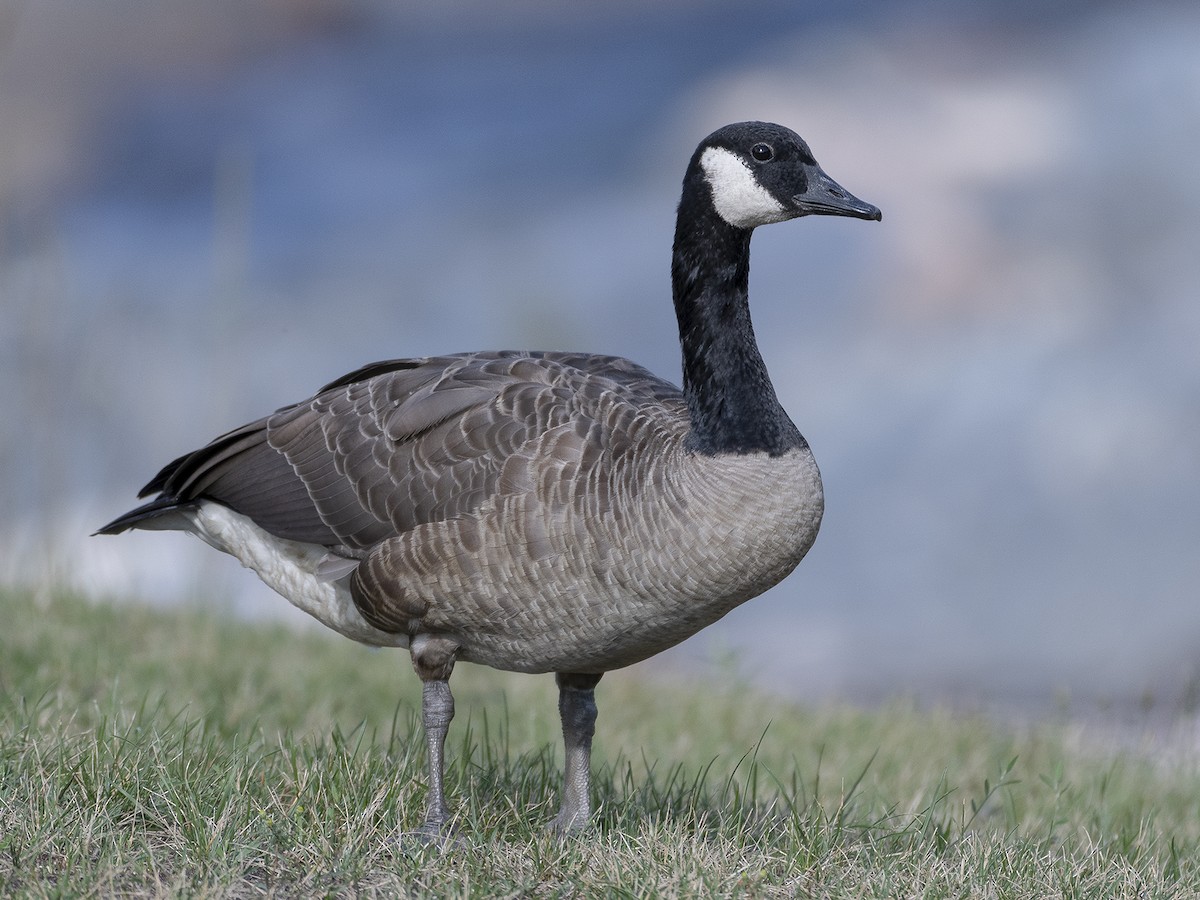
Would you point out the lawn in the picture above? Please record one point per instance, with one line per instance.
(149, 752)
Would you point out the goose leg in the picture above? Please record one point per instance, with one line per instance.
(437, 709)
(577, 707)
(433, 659)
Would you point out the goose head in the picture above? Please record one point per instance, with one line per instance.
(758, 173)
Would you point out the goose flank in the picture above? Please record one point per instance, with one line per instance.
(538, 511)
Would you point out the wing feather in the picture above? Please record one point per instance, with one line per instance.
(401, 443)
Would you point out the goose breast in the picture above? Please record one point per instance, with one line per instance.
(598, 560)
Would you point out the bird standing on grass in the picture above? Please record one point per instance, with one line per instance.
(538, 511)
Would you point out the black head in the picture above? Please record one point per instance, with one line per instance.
(758, 173)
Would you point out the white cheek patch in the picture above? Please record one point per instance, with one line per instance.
(738, 197)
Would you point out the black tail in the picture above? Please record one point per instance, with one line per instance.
(159, 506)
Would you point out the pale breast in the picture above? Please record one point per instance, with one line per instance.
(535, 586)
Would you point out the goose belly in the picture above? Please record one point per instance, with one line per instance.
(591, 593)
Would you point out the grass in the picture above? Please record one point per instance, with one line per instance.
(177, 753)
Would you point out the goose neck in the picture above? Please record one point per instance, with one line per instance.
(731, 401)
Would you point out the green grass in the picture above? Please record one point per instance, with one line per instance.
(148, 753)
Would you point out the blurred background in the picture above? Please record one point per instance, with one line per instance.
(207, 210)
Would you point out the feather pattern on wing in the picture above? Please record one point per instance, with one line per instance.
(398, 444)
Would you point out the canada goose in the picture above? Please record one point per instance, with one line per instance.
(538, 512)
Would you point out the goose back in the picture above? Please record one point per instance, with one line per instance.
(400, 443)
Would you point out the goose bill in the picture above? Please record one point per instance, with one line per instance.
(825, 197)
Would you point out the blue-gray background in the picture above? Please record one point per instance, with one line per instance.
(208, 210)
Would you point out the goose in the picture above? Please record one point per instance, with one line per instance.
(538, 512)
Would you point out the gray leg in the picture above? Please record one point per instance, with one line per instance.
(433, 658)
(437, 709)
(577, 706)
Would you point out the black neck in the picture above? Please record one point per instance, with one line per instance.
(730, 398)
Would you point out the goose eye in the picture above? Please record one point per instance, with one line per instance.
(762, 152)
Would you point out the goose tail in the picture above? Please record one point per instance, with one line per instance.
(163, 513)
